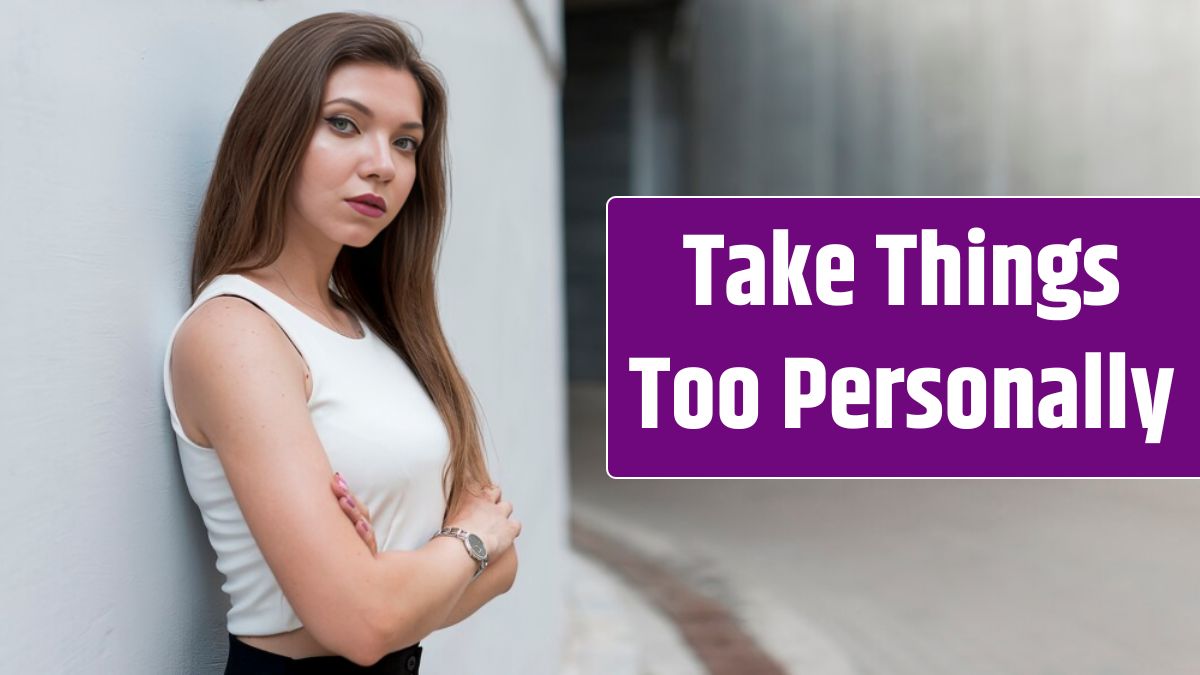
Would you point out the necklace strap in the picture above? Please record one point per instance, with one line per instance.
(320, 311)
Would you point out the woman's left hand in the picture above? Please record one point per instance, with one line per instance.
(356, 511)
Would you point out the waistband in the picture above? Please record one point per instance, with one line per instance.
(244, 658)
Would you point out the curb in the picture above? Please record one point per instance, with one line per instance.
(733, 624)
(712, 631)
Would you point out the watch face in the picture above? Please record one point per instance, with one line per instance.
(477, 546)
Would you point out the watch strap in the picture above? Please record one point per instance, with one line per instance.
(461, 535)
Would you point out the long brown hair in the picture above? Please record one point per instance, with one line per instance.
(389, 282)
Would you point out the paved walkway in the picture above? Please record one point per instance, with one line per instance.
(614, 631)
(645, 604)
(924, 577)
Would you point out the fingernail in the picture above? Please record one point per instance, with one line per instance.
(363, 527)
(350, 502)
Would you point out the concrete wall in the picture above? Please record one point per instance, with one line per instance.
(944, 97)
(597, 156)
(114, 112)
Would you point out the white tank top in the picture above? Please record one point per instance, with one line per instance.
(378, 427)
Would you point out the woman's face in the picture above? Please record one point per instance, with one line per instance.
(365, 143)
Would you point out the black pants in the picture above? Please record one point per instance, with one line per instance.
(244, 659)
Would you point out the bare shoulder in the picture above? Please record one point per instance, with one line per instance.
(239, 376)
(226, 339)
(227, 323)
(248, 395)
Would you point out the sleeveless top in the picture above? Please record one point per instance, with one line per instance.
(377, 425)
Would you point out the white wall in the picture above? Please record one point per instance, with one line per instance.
(113, 116)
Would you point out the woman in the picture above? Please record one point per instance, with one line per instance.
(312, 356)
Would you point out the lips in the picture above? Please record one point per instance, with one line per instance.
(365, 209)
(370, 200)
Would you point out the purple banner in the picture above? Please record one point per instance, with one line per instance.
(779, 337)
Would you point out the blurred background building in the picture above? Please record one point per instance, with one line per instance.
(866, 97)
(886, 97)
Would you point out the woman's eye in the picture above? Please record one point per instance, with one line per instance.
(333, 122)
(406, 144)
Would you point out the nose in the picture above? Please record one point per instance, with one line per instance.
(380, 160)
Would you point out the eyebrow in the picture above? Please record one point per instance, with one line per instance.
(367, 111)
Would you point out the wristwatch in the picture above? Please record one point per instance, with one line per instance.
(474, 544)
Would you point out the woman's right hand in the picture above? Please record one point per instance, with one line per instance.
(484, 514)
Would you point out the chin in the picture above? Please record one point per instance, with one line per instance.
(360, 239)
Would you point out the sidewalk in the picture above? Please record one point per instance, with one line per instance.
(650, 597)
(710, 625)
(613, 631)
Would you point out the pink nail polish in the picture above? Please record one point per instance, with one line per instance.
(350, 502)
